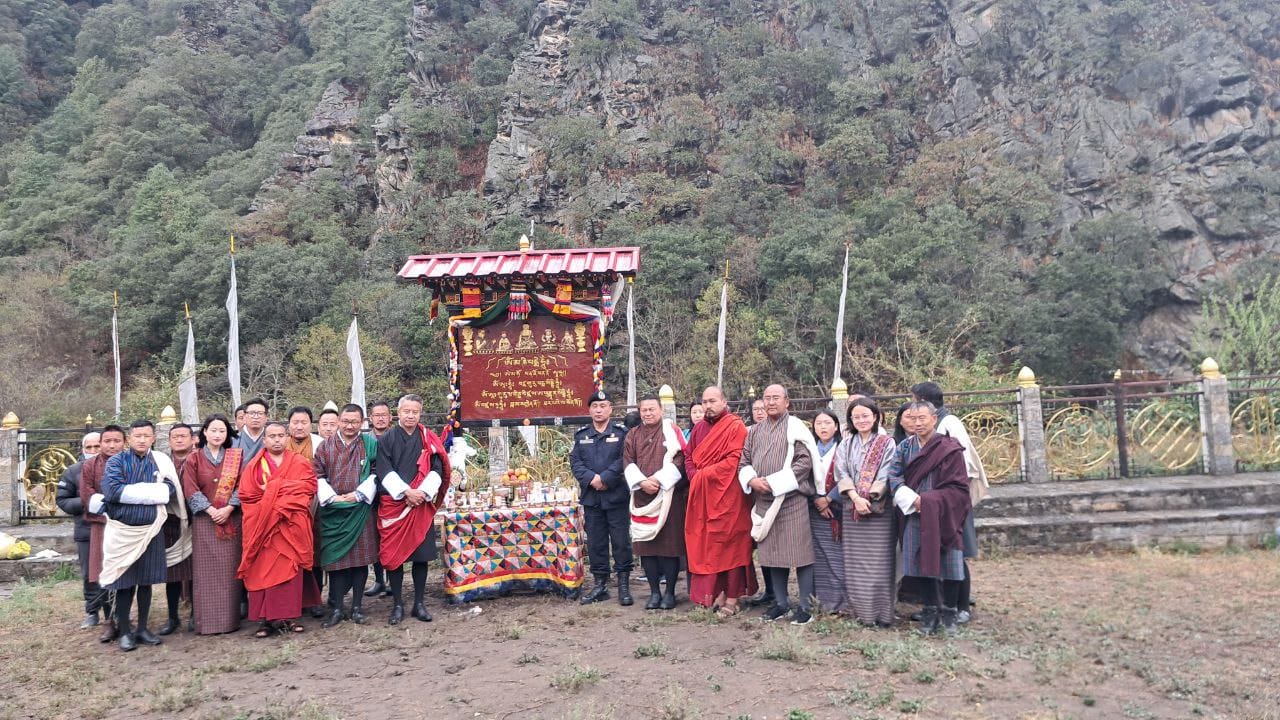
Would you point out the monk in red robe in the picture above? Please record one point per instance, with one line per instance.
(717, 525)
(276, 490)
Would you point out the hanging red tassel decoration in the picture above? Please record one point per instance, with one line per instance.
(518, 302)
(471, 299)
(606, 302)
(564, 296)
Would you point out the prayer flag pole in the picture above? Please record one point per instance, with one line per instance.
(844, 291)
(720, 336)
(115, 344)
(631, 343)
(233, 332)
(187, 400)
(357, 363)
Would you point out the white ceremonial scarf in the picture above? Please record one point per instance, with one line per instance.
(781, 482)
(672, 441)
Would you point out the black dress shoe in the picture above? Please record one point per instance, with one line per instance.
(420, 611)
(334, 618)
(375, 590)
(397, 614)
(127, 642)
(109, 633)
(90, 620)
(668, 600)
(146, 637)
(169, 627)
(319, 611)
(244, 610)
(358, 617)
(761, 599)
(655, 601)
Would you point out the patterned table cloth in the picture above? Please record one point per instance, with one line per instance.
(489, 553)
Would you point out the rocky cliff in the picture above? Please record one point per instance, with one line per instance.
(1168, 114)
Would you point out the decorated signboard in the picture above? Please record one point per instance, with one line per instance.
(526, 329)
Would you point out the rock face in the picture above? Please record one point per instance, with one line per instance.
(1168, 140)
(1170, 132)
(329, 133)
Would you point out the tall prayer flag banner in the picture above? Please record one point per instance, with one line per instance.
(187, 380)
(115, 345)
(233, 332)
(844, 291)
(631, 345)
(724, 313)
(357, 364)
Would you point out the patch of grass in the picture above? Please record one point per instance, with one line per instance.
(1183, 547)
(176, 693)
(1132, 710)
(910, 707)
(799, 715)
(309, 710)
(850, 697)
(728, 661)
(785, 646)
(924, 676)
(881, 699)
(528, 659)
(576, 677)
(65, 572)
(595, 611)
(651, 650)
(704, 616)
(676, 706)
(511, 630)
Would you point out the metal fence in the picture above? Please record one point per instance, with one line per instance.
(1255, 419)
(43, 455)
(1123, 429)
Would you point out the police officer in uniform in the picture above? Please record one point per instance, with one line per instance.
(596, 460)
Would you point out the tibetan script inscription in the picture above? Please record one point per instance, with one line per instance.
(517, 369)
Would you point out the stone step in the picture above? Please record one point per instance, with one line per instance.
(1131, 495)
(57, 536)
(1126, 530)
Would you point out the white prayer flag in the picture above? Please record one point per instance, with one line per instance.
(724, 312)
(357, 364)
(631, 346)
(233, 334)
(844, 291)
(115, 349)
(187, 381)
(529, 433)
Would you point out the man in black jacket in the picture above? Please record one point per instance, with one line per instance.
(596, 460)
(68, 498)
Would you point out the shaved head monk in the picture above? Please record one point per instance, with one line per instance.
(717, 527)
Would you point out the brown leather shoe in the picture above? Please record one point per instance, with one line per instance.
(109, 633)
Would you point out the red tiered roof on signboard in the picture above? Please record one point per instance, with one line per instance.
(432, 269)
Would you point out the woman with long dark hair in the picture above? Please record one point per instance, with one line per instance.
(210, 480)
(862, 470)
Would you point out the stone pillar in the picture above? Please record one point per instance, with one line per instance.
(1215, 420)
(1035, 455)
(667, 397)
(499, 453)
(10, 471)
(840, 403)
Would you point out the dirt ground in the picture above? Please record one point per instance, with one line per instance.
(1147, 635)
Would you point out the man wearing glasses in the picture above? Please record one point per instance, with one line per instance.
(250, 438)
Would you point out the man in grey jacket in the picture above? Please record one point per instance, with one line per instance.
(68, 499)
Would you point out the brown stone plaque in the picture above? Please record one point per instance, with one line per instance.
(513, 370)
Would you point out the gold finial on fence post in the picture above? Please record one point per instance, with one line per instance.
(839, 389)
(1026, 377)
(88, 421)
(1209, 369)
(11, 421)
(168, 416)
